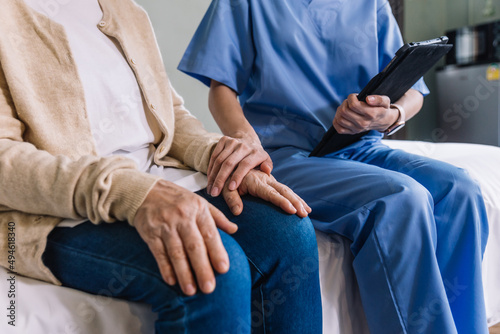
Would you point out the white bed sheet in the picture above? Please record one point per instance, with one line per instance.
(43, 308)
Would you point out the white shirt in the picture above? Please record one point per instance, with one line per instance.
(115, 105)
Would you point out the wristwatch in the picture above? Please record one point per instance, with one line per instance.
(400, 122)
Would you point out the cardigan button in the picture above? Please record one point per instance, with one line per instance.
(102, 24)
(162, 148)
(153, 106)
(132, 60)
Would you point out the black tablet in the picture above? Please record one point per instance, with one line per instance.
(411, 62)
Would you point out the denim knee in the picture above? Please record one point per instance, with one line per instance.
(238, 276)
(224, 310)
(297, 241)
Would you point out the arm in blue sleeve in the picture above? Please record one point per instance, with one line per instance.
(222, 48)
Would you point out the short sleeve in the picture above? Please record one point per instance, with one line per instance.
(222, 48)
(390, 40)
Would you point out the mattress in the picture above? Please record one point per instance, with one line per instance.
(43, 308)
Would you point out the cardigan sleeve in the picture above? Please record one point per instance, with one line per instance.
(192, 144)
(36, 182)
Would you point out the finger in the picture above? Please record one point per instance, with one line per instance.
(221, 158)
(346, 126)
(378, 101)
(268, 193)
(340, 129)
(221, 221)
(227, 169)
(267, 166)
(292, 197)
(308, 208)
(233, 200)
(215, 248)
(197, 253)
(166, 270)
(355, 105)
(217, 150)
(180, 263)
(356, 121)
(246, 165)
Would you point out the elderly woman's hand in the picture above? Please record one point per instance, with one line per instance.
(265, 186)
(180, 229)
(231, 161)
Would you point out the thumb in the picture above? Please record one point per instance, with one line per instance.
(378, 101)
(267, 166)
(233, 200)
(221, 221)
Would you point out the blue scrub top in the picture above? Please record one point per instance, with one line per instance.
(293, 62)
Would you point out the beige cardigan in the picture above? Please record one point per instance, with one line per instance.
(48, 162)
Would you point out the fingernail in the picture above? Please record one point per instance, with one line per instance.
(292, 208)
(190, 289)
(235, 209)
(215, 192)
(208, 287)
(209, 188)
(370, 98)
(232, 185)
(223, 266)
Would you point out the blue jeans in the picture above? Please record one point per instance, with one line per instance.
(418, 228)
(272, 285)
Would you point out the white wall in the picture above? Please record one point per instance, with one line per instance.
(175, 22)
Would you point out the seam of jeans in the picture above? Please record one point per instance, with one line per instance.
(391, 289)
(264, 326)
(261, 287)
(257, 268)
(79, 251)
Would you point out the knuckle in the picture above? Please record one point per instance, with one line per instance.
(271, 191)
(177, 254)
(219, 160)
(231, 200)
(182, 211)
(193, 247)
(209, 234)
(228, 163)
(165, 230)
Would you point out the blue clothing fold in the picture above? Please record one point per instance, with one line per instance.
(272, 285)
(418, 226)
(293, 62)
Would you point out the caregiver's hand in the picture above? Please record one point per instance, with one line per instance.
(231, 161)
(265, 186)
(354, 116)
(180, 229)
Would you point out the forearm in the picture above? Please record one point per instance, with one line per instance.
(100, 189)
(412, 102)
(227, 112)
(192, 143)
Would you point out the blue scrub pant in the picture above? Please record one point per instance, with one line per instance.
(418, 229)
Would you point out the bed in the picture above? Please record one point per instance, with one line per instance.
(43, 308)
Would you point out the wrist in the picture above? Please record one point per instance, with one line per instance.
(250, 136)
(400, 121)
